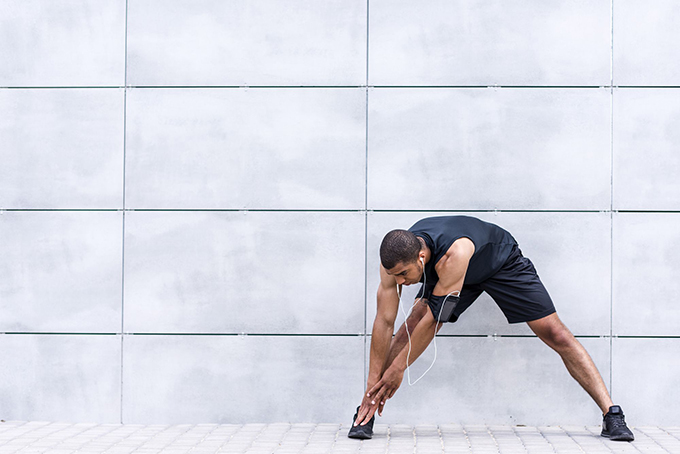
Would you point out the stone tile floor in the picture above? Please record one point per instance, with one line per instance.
(63, 438)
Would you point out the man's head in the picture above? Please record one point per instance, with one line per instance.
(400, 254)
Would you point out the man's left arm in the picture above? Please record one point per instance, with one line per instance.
(452, 267)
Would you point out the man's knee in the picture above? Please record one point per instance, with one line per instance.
(561, 338)
(553, 332)
(418, 310)
(420, 307)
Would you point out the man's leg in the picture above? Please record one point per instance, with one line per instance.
(552, 331)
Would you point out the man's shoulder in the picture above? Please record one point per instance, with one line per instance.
(460, 250)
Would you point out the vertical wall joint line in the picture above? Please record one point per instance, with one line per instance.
(611, 206)
(366, 205)
(122, 290)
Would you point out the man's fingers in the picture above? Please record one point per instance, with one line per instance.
(375, 394)
(372, 391)
(373, 401)
(379, 396)
(368, 416)
(387, 393)
(361, 414)
(384, 394)
(365, 410)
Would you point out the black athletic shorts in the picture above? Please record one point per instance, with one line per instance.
(516, 288)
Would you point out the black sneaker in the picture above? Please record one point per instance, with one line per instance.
(361, 432)
(614, 425)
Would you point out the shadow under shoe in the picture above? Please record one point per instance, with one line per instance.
(614, 425)
(361, 432)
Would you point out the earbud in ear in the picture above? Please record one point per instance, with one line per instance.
(422, 261)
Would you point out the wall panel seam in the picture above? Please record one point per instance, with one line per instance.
(254, 87)
(122, 292)
(611, 205)
(368, 6)
(295, 210)
(233, 334)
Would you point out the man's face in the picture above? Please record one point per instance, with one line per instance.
(407, 273)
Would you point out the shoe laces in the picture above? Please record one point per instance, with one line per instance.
(616, 421)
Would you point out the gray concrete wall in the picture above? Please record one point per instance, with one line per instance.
(193, 193)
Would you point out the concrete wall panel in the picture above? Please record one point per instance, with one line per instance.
(61, 148)
(453, 149)
(237, 379)
(440, 42)
(258, 148)
(646, 379)
(254, 272)
(645, 37)
(300, 42)
(246, 139)
(66, 43)
(61, 271)
(645, 268)
(646, 141)
(60, 378)
(571, 252)
(496, 381)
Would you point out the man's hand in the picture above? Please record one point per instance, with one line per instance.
(387, 386)
(367, 410)
(376, 397)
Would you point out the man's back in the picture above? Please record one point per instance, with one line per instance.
(493, 245)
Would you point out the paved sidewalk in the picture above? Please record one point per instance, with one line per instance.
(63, 438)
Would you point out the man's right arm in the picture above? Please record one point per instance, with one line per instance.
(383, 328)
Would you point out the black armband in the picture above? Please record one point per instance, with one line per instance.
(442, 307)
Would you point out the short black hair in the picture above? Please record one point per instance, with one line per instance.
(399, 246)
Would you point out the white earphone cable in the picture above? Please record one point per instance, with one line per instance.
(406, 315)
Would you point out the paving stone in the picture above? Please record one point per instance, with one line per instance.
(284, 438)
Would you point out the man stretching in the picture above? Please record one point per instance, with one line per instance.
(457, 258)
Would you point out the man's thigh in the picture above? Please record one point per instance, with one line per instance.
(518, 291)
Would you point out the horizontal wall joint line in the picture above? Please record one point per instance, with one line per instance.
(322, 210)
(230, 334)
(58, 333)
(313, 210)
(244, 334)
(360, 86)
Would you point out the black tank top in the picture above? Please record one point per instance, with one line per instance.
(493, 245)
